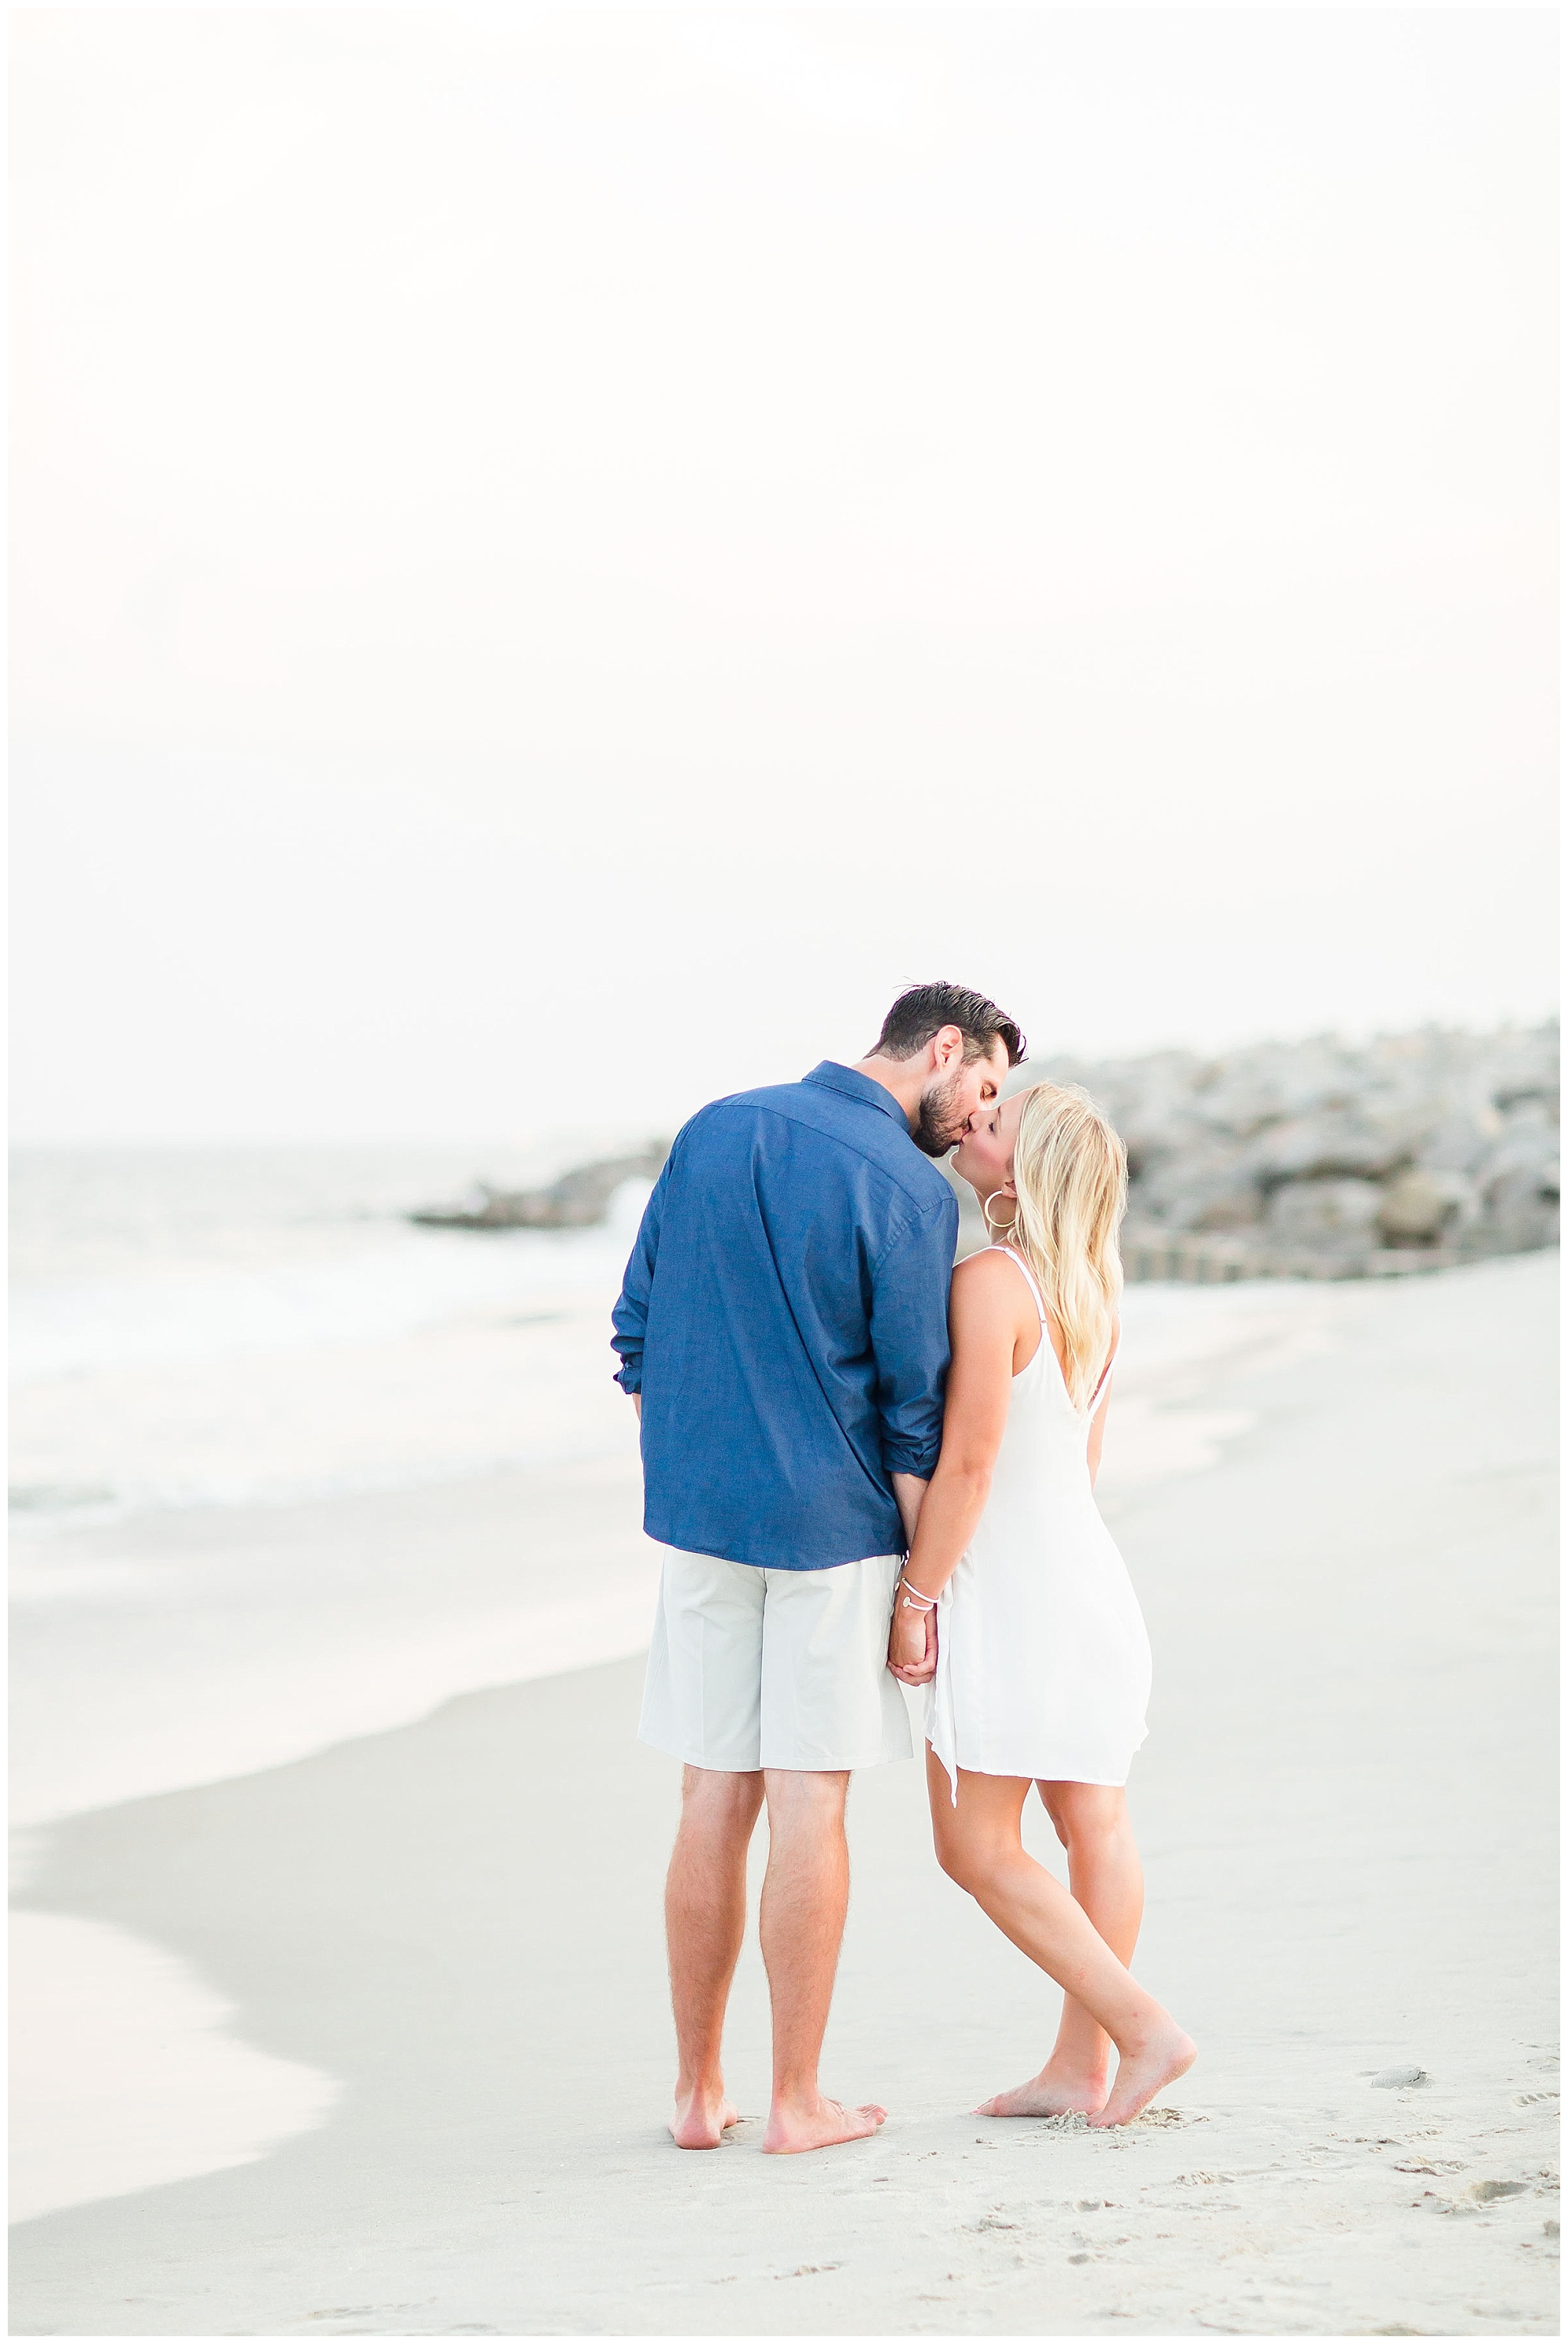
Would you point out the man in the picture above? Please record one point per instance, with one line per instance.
(783, 1329)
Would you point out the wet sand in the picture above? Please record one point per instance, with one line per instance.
(1346, 1805)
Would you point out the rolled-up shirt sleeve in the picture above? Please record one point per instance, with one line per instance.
(910, 1336)
(630, 1315)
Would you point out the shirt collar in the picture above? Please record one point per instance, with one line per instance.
(832, 1076)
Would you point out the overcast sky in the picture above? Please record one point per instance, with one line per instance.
(560, 557)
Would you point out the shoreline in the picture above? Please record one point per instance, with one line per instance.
(1345, 1810)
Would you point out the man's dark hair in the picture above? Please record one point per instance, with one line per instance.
(925, 1009)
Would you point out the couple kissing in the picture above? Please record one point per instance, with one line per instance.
(869, 1470)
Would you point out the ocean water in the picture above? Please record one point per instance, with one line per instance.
(220, 1327)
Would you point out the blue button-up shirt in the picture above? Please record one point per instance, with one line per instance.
(785, 1316)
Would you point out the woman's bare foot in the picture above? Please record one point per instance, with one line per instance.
(1056, 2091)
(702, 2119)
(1167, 2055)
(791, 2130)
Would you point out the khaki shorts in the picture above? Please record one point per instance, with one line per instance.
(751, 1668)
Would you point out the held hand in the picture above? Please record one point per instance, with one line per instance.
(906, 1641)
(912, 1645)
(927, 1668)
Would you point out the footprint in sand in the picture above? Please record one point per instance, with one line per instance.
(1483, 2192)
(1074, 2122)
(1400, 2079)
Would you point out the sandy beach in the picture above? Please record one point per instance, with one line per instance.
(450, 1933)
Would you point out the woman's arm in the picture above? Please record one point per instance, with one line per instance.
(988, 1301)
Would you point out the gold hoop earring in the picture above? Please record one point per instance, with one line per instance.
(991, 1229)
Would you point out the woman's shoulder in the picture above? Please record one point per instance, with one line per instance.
(993, 1279)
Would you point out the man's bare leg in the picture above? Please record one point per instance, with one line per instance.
(705, 1919)
(1093, 1825)
(806, 1895)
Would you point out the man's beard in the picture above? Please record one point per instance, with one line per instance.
(939, 1126)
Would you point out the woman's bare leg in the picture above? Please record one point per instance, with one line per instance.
(979, 1844)
(1094, 1826)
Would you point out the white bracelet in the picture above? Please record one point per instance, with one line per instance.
(925, 1603)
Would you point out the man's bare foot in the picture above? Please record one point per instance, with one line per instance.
(1167, 2055)
(1054, 2092)
(702, 2119)
(792, 2130)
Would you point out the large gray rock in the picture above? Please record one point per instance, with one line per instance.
(1461, 1140)
(1338, 1214)
(1421, 1207)
(1524, 1211)
(1202, 1191)
(1336, 1141)
(1521, 1181)
(579, 1199)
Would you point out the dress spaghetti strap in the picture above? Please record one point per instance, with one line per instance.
(1029, 1275)
(1099, 1390)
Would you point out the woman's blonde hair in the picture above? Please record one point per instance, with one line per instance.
(1069, 1172)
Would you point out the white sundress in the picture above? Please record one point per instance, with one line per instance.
(1043, 1665)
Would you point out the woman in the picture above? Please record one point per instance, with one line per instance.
(1038, 1668)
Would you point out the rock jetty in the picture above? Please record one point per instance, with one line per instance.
(579, 1199)
(1322, 1158)
(1326, 1158)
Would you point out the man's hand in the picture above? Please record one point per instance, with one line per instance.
(912, 1644)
